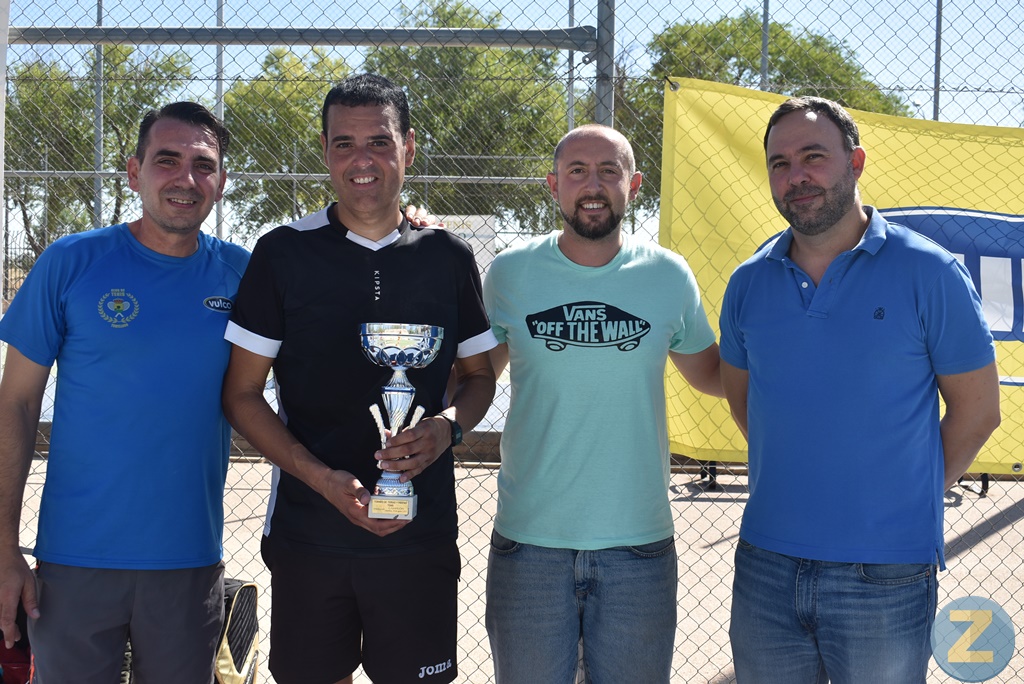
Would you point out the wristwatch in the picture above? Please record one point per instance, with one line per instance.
(456, 430)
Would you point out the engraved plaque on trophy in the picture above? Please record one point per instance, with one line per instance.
(398, 346)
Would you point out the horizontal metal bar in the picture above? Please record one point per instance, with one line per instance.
(411, 178)
(582, 38)
(479, 180)
(320, 177)
(107, 175)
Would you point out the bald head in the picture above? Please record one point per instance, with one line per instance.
(598, 131)
(593, 180)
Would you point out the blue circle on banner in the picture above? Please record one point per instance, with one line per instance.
(972, 639)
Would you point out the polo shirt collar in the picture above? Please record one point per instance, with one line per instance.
(871, 242)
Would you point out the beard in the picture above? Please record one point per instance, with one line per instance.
(592, 229)
(837, 201)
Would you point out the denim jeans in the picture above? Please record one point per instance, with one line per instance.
(621, 602)
(798, 621)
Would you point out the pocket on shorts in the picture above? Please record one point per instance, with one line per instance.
(502, 545)
(894, 573)
(654, 549)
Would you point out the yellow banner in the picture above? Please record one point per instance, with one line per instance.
(961, 185)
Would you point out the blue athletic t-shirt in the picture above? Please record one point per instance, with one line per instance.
(139, 446)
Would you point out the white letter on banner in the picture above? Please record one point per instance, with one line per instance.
(997, 293)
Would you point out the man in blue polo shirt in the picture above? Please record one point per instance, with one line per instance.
(838, 338)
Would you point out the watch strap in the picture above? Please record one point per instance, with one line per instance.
(456, 430)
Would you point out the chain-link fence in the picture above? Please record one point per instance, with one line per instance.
(493, 85)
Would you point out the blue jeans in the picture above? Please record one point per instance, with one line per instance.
(621, 602)
(798, 621)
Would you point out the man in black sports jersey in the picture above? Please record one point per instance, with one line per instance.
(348, 589)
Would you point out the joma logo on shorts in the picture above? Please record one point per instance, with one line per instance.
(435, 669)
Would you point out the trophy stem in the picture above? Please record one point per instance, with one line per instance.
(398, 380)
(397, 402)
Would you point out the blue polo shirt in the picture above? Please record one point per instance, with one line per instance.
(846, 461)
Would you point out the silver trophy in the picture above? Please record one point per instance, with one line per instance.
(399, 346)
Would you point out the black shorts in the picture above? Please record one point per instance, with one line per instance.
(397, 615)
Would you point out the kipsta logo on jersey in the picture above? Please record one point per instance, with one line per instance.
(118, 307)
(587, 324)
(222, 304)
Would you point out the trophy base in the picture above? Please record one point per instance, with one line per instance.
(384, 507)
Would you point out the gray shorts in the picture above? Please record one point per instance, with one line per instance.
(174, 618)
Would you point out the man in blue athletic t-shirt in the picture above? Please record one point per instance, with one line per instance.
(131, 518)
(838, 337)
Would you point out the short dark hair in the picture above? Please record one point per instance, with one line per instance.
(368, 90)
(191, 113)
(819, 105)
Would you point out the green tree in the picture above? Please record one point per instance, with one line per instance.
(729, 51)
(50, 127)
(479, 112)
(275, 127)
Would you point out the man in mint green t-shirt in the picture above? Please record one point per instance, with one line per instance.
(583, 545)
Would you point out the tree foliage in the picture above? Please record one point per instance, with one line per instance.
(37, 138)
(488, 113)
(728, 50)
(479, 112)
(274, 121)
(50, 127)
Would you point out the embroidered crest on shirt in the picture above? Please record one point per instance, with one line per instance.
(587, 324)
(118, 307)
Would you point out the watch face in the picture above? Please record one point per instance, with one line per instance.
(456, 433)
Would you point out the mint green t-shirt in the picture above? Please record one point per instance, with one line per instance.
(584, 452)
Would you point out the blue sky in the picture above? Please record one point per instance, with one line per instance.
(894, 40)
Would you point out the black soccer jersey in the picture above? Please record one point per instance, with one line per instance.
(308, 287)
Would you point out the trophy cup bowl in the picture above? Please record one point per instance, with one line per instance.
(398, 346)
(401, 345)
